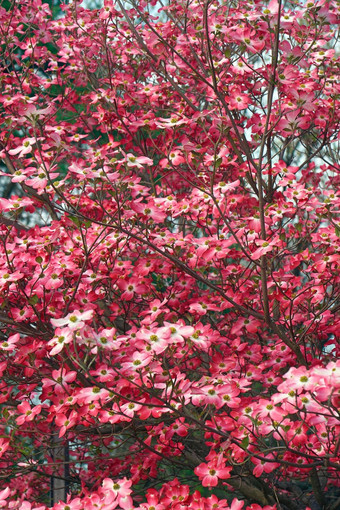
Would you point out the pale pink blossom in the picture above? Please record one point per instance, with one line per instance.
(74, 320)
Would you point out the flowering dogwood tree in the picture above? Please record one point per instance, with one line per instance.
(169, 256)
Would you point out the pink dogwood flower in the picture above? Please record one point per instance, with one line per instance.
(24, 148)
(28, 412)
(74, 320)
(211, 473)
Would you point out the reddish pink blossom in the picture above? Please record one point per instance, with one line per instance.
(237, 100)
(60, 380)
(74, 320)
(4, 445)
(211, 473)
(10, 343)
(23, 149)
(4, 494)
(267, 465)
(66, 422)
(27, 412)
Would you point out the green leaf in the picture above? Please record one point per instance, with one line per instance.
(245, 443)
(75, 220)
(33, 300)
(218, 162)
